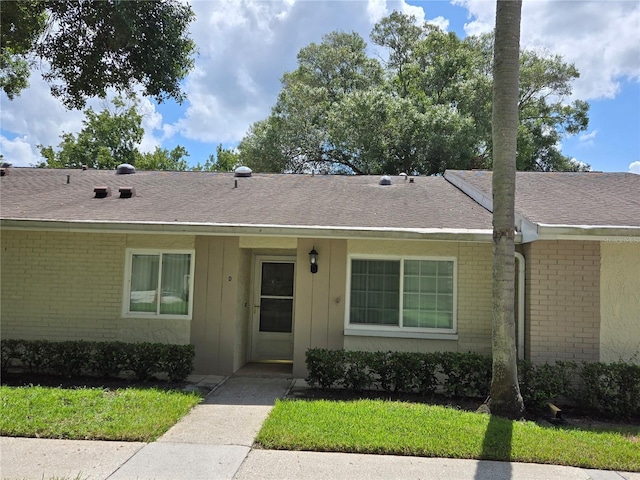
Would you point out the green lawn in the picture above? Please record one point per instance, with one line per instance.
(398, 428)
(91, 413)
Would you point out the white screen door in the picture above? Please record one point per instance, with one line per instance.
(272, 335)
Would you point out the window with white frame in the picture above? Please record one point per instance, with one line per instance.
(417, 294)
(159, 283)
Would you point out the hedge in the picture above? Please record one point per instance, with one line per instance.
(611, 390)
(101, 359)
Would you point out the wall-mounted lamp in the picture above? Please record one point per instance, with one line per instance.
(313, 260)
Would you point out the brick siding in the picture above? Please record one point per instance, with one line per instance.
(562, 301)
(69, 286)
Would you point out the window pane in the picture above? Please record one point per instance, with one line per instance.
(375, 292)
(431, 305)
(277, 279)
(175, 284)
(411, 284)
(276, 315)
(144, 283)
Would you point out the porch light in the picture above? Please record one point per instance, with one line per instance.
(313, 260)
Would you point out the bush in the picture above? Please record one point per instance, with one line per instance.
(326, 367)
(103, 359)
(465, 374)
(540, 384)
(9, 352)
(610, 389)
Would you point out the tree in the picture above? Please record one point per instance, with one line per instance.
(295, 137)
(88, 46)
(21, 24)
(224, 160)
(107, 139)
(163, 159)
(428, 108)
(505, 398)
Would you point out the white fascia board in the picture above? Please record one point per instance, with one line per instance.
(588, 232)
(528, 229)
(476, 194)
(302, 231)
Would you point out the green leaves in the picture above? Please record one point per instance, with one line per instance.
(107, 139)
(90, 46)
(426, 108)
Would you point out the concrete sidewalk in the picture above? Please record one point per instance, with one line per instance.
(214, 441)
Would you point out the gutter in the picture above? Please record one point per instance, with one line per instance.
(613, 233)
(218, 229)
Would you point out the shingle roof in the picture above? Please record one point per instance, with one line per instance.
(577, 199)
(263, 199)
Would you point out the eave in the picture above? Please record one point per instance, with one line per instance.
(219, 229)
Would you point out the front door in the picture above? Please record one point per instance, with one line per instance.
(272, 334)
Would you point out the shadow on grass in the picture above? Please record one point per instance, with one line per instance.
(496, 446)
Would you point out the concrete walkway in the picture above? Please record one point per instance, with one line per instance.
(214, 441)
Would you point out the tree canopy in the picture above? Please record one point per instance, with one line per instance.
(424, 109)
(85, 47)
(109, 138)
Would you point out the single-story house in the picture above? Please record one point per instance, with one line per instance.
(261, 267)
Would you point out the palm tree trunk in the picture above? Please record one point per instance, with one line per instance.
(505, 393)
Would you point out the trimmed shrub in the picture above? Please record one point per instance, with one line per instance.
(611, 390)
(465, 374)
(103, 359)
(544, 383)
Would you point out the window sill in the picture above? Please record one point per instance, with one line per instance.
(156, 317)
(372, 332)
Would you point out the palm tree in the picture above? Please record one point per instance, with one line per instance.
(505, 398)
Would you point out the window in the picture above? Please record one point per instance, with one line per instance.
(159, 284)
(403, 294)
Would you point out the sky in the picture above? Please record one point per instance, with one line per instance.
(245, 46)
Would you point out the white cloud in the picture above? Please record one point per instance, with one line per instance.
(634, 167)
(377, 10)
(441, 22)
(587, 139)
(36, 116)
(19, 152)
(600, 38)
(246, 46)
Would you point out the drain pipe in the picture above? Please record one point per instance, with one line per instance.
(520, 339)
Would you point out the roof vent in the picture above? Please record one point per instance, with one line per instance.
(125, 169)
(127, 192)
(385, 180)
(102, 192)
(242, 172)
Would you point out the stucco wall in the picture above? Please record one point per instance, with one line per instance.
(620, 301)
(562, 301)
(69, 286)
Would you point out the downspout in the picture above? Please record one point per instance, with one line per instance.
(520, 339)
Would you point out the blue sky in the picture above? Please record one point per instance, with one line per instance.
(246, 45)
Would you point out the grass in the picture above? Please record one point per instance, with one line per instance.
(398, 428)
(128, 414)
